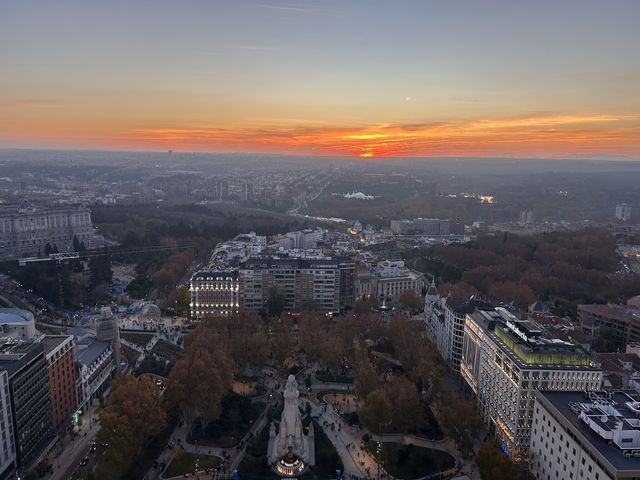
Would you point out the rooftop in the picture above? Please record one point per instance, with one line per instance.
(596, 416)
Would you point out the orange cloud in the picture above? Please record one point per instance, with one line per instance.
(542, 136)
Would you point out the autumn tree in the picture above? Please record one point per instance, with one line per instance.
(200, 379)
(282, 341)
(410, 300)
(459, 420)
(494, 465)
(180, 299)
(132, 417)
(377, 411)
(367, 377)
(407, 409)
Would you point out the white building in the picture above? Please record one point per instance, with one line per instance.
(505, 361)
(623, 212)
(388, 280)
(26, 230)
(214, 292)
(586, 435)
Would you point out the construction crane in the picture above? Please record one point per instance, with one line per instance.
(61, 258)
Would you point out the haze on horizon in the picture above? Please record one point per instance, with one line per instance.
(334, 78)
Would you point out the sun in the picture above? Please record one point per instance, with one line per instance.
(366, 155)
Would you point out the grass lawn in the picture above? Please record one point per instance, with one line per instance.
(409, 461)
(139, 339)
(168, 351)
(184, 463)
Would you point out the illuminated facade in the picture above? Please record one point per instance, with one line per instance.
(214, 293)
(505, 361)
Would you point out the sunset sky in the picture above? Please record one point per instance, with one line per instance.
(353, 77)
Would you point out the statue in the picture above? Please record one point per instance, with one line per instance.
(291, 451)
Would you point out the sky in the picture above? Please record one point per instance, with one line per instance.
(362, 78)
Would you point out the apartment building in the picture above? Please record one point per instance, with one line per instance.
(60, 356)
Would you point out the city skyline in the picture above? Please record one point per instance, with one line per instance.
(327, 78)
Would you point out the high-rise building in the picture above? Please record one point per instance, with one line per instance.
(222, 189)
(526, 216)
(26, 230)
(246, 192)
(623, 212)
(8, 459)
(26, 367)
(61, 367)
(506, 361)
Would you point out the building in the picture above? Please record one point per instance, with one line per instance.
(620, 323)
(427, 226)
(60, 356)
(26, 230)
(222, 190)
(96, 364)
(455, 315)
(623, 212)
(326, 283)
(17, 324)
(26, 368)
(8, 459)
(526, 216)
(107, 331)
(387, 280)
(214, 293)
(586, 435)
(246, 192)
(505, 361)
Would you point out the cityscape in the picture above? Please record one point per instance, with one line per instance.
(319, 240)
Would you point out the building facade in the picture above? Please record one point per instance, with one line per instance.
(323, 283)
(214, 293)
(31, 409)
(623, 212)
(60, 357)
(8, 459)
(585, 436)
(505, 361)
(26, 230)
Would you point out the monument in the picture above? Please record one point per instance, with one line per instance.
(291, 452)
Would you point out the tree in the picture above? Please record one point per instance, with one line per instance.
(180, 299)
(406, 405)
(367, 377)
(411, 301)
(276, 302)
(363, 306)
(200, 379)
(282, 343)
(460, 421)
(377, 411)
(132, 417)
(494, 465)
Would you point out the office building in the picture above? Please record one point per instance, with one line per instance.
(8, 459)
(585, 436)
(26, 367)
(505, 361)
(25, 230)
